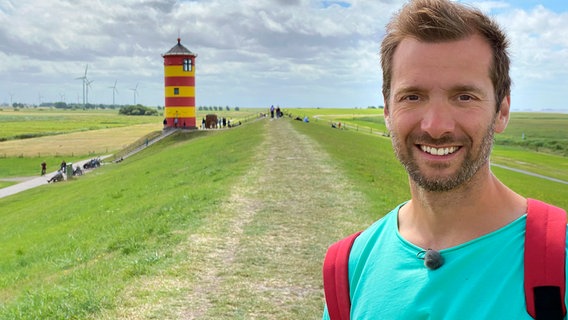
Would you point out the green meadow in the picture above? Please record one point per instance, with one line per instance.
(25, 124)
(207, 224)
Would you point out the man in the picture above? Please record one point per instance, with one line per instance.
(446, 90)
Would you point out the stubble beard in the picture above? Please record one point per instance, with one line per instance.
(470, 166)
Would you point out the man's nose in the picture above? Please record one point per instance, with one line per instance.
(438, 119)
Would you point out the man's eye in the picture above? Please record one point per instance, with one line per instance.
(465, 97)
(411, 97)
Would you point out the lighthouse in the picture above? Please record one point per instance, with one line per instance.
(179, 83)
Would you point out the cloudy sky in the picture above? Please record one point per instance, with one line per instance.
(251, 53)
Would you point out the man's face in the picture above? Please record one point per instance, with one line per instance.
(442, 112)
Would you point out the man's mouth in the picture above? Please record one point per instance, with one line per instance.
(438, 151)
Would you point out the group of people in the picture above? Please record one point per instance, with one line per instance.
(221, 122)
(275, 112)
(455, 249)
(62, 167)
(336, 125)
(61, 172)
(58, 176)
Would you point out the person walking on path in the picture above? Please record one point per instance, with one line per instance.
(43, 168)
(446, 89)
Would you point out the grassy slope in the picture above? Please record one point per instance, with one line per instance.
(69, 248)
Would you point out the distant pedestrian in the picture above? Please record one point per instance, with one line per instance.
(146, 142)
(165, 122)
(57, 177)
(43, 168)
(63, 166)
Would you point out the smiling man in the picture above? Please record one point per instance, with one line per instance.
(455, 250)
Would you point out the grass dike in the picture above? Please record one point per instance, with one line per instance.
(260, 255)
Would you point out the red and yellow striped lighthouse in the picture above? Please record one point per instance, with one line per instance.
(179, 82)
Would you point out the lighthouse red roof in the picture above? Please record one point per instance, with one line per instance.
(179, 50)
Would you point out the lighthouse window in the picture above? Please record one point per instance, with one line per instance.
(186, 64)
(176, 91)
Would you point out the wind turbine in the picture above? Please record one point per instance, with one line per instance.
(114, 90)
(135, 92)
(84, 78)
(88, 86)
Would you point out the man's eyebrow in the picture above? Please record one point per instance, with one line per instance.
(468, 88)
(409, 89)
(454, 89)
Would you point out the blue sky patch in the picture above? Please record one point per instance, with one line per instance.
(329, 3)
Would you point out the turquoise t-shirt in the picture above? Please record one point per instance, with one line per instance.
(480, 279)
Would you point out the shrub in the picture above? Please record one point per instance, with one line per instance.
(138, 110)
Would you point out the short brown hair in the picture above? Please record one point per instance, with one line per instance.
(443, 20)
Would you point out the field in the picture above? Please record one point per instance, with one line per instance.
(218, 224)
(28, 137)
(538, 132)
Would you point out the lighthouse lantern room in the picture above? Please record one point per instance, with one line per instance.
(179, 82)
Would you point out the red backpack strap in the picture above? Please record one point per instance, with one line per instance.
(545, 256)
(336, 278)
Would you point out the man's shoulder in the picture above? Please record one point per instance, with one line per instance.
(388, 220)
(384, 228)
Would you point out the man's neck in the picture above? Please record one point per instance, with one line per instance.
(440, 220)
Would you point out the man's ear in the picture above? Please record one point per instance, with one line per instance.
(503, 115)
(386, 113)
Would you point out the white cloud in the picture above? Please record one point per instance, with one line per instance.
(250, 53)
(539, 51)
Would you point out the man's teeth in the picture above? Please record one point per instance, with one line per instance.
(438, 151)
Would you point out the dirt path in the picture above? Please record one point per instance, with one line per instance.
(260, 256)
